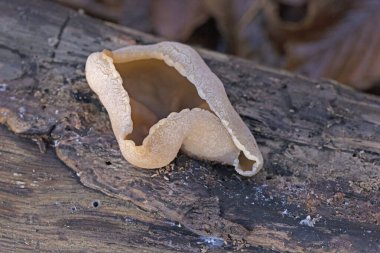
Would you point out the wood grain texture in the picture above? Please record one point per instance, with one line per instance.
(320, 143)
(45, 209)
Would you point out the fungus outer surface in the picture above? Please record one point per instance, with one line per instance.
(163, 98)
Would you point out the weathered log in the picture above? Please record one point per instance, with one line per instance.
(43, 208)
(320, 141)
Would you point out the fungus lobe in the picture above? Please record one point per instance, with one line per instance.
(163, 98)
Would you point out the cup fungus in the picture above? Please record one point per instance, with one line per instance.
(162, 98)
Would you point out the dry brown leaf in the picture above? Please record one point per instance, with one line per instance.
(230, 16)
(318, 38)
(335, 39)
(176, 20)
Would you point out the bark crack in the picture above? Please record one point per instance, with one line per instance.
(57, 40)
(61, 30)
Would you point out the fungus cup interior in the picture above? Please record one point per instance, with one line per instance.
(155, 90)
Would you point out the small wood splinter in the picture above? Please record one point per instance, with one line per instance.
(163, 98)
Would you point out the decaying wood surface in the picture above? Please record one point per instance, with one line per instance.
(45, 208)
(320, 141)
